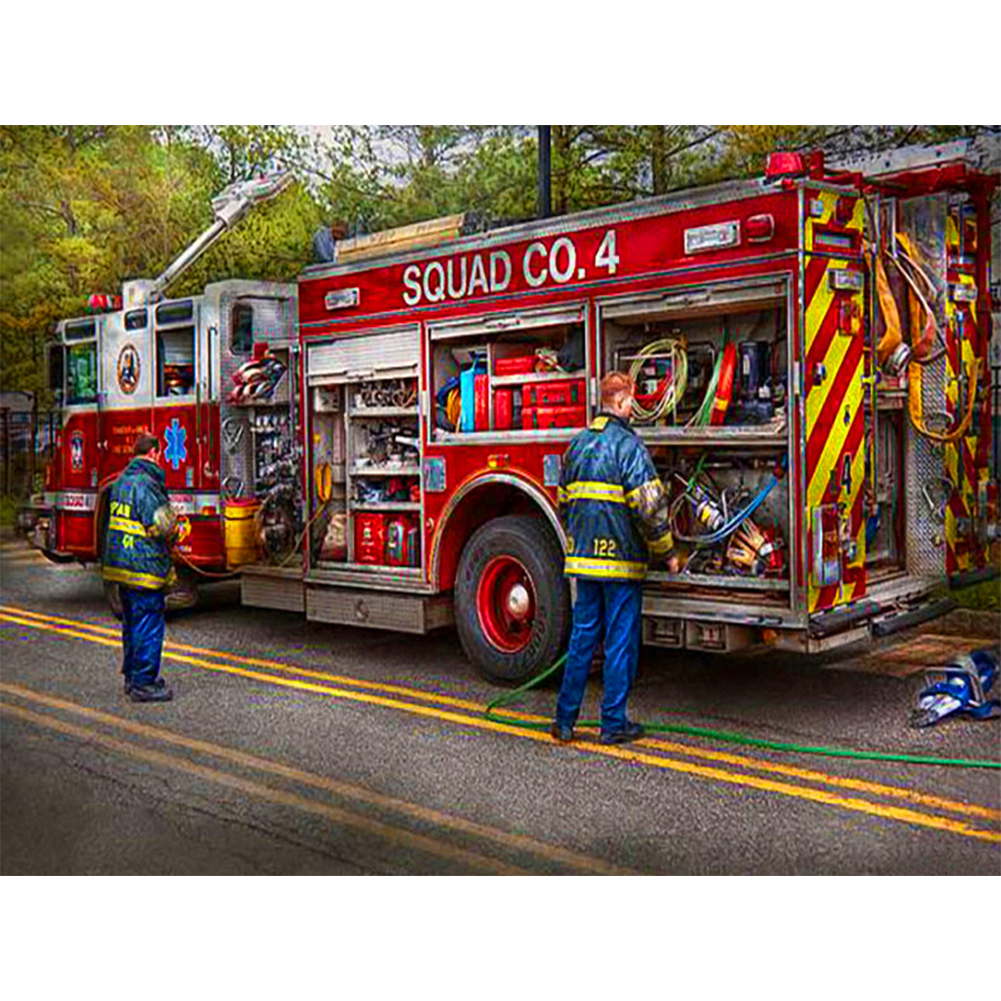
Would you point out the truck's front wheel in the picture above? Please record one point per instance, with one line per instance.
(512, 602)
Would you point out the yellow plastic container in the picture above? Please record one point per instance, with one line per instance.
(241, 532)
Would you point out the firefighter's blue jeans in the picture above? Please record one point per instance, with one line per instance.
(142, 634)
(611, 608)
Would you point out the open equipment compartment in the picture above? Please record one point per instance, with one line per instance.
(383, 451)
(261, 457)
(365, 453)
(711, 366)
(509, 377)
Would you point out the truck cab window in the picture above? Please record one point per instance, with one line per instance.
(81, 373)
(136, 320)
(175, 368)
(241, 335)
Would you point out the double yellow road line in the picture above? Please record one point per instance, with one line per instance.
(897, 803)
(552, 857)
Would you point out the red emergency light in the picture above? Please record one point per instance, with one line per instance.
(759, 228)
(784, 165)
(101, 302)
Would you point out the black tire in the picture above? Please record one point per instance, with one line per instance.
(532, 543)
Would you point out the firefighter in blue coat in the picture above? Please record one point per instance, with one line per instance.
(141, 528)
(615, 511)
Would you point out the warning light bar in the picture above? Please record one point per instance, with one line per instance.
(342, 298)
(841, 280)
(102, 303)
(724, 234)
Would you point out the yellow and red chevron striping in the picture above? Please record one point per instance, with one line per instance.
(833, 369)
(835, 459)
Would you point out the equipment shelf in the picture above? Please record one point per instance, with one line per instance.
(388, 470)
(527, 377)
(385, 506)
(750, 435)
(721, 580)
(513, 435)
(358, 412)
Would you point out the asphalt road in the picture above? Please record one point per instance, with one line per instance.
(299, 748)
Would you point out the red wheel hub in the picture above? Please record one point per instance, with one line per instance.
(505, 604)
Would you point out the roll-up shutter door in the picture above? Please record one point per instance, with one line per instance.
(385, 355)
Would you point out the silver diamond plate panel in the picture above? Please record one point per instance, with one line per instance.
(924, 468)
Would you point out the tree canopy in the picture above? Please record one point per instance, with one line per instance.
(83, 208)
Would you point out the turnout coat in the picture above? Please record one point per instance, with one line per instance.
(612, 503)
(141, 524)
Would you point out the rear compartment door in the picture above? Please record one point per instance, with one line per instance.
(834, 371)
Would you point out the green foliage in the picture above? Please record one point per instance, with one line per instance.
(84, 209)
(982, 597)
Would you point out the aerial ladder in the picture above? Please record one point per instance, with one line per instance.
(229, 207)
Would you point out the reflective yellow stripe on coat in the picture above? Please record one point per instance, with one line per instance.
(132, 578)
(592, 490)
(588, 566)
(119, 524)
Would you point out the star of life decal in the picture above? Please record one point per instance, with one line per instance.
(177, 451)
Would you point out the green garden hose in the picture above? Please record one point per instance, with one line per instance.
(726, 735)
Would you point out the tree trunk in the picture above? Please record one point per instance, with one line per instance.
(658, 165)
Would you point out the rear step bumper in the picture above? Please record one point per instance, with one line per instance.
(972, 577)
(896, 621)
(839, 620)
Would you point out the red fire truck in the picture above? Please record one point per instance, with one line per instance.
(159, 364)
(810, 350)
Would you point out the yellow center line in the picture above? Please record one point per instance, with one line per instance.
(273, 665)
(517, 842)
(767, 785)
(724, 757)
(394, 835)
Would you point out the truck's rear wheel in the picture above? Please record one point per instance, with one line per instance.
(512, 603)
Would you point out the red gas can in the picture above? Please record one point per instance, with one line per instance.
(542, 418)
(562, 393)
(370, 538)
(481, 413)
(503, 409)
